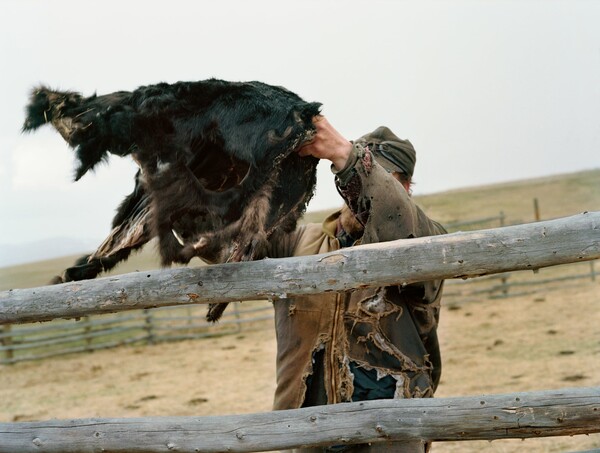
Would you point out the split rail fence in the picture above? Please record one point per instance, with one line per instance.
(19, 343)
(458, 255)
(150, 326)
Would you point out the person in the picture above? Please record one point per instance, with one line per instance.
(371, 343)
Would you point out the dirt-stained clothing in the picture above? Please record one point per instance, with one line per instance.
(388, 332)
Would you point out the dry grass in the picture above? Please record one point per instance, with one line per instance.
(557, 196)
(225, 375)
(544, 341)
(547, 340)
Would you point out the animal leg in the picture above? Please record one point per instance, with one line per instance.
(251, 241)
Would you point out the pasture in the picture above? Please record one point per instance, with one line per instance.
(545, 340)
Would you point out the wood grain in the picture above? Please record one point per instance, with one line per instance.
(562, 412)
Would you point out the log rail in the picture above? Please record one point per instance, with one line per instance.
(564, 412)
(458, 255)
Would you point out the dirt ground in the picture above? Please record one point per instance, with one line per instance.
(543, 341)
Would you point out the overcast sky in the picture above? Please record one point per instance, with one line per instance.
(487, 91)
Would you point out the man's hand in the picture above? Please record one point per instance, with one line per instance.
(328, 143)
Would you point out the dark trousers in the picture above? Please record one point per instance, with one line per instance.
(316, 396)
(378, 447)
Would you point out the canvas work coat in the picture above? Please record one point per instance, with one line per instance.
(391, 330)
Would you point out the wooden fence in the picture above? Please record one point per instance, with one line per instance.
(514, 284)
(34, 342)
(485, 222)
(19, 343)
(520, 415)
(458, 255)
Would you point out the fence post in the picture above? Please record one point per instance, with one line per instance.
(6, 340)
(504, 279)
(238, 322)
(87, 330)
(190, 320)
(149, 327)
(536, 209)
(504, 284)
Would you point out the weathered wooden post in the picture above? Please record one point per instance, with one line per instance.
(504, 279)
(149, 326)
(87, 333)
(6, 341)
(536, 210)
(236, 314)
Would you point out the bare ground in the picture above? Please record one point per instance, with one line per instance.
(543, 341)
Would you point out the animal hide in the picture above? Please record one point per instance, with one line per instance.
(219, 175)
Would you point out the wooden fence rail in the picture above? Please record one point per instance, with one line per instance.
(20, 343)
(470, 224)
(564, 412)
(457, 255)
(505, 287)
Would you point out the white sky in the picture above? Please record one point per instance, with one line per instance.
(487, 91)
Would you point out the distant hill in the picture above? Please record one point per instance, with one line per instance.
(40, 250)
(39, 273)
(558, 196)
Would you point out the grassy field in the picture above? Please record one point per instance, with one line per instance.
(558, 196)
(546, 340)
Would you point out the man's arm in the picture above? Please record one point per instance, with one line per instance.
(371, 192)
(379, 201)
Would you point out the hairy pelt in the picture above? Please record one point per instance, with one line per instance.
(219, 175)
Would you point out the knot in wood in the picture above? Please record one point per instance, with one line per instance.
(334, 259)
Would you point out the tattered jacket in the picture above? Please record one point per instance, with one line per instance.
(391, 330)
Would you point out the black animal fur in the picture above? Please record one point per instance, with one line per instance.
(218, 171)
